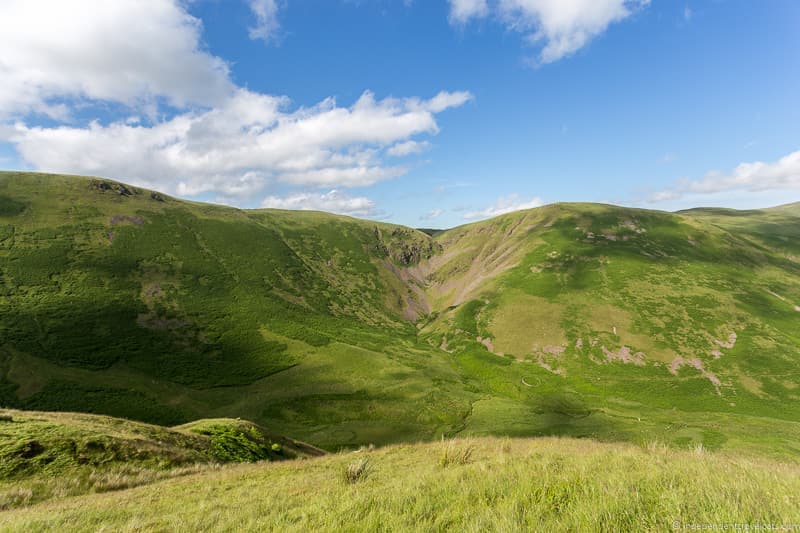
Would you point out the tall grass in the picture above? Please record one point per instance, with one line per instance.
(20, 493)
(357, 471)
(508, 485)
(455, 452)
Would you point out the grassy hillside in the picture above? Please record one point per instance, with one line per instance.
(687, 324)
(126, 302)
(486, 484)
(577, 320)
(54, 455)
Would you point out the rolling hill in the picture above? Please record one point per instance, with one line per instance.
(580, 320)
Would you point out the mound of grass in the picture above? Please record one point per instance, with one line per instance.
(46, 455)
(240, 441)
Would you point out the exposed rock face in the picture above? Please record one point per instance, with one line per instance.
(625, 355)
(697, 364)
(109, 186)
(406, 246)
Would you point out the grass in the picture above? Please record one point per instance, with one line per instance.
(55, 455)
(508, 485)
(455, 453)
(166, 311)
(357, 471)
(604, 331)
(178, 301)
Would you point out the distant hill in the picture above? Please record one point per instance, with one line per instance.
(580, 320)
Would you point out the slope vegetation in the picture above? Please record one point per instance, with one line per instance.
(126, 302)
(580, 320)
(485, 484)
(53, 455)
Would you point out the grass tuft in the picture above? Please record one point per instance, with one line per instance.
(357, 471)
(699, 449)
(454, 453)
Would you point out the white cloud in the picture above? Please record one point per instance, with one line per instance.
(445, 100)
(407, 148)
(127, 51)
(238, 148)
(506, 204)
(190, 131)
(433, 214)
(267, 25)
(461, 11)
(349, 176)
(564, 26)
(333, 201)
(753, 177)
(559, 27)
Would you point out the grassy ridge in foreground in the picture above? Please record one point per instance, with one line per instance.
(502, 485)
(55, 455)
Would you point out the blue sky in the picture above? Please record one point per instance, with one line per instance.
(427, 113)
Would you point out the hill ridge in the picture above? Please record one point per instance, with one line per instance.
(573, 204)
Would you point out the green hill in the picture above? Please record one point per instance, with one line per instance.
(580, 320)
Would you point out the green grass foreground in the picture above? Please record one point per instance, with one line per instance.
(487, 484)
(596, 322)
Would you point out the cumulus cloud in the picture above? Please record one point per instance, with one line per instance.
(445, 100)
(184, 127)
(333, 201)
(461, 11)
(753, 177)
(236, 149)
(506, 204)
(267, 25)
(559, 27)
(125, 51)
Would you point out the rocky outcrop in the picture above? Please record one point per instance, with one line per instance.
(405, 246)
(110, 186)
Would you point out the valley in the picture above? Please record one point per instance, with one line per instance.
(580, 320)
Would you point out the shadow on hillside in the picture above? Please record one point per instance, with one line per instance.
(74, 339)
(565, 415)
